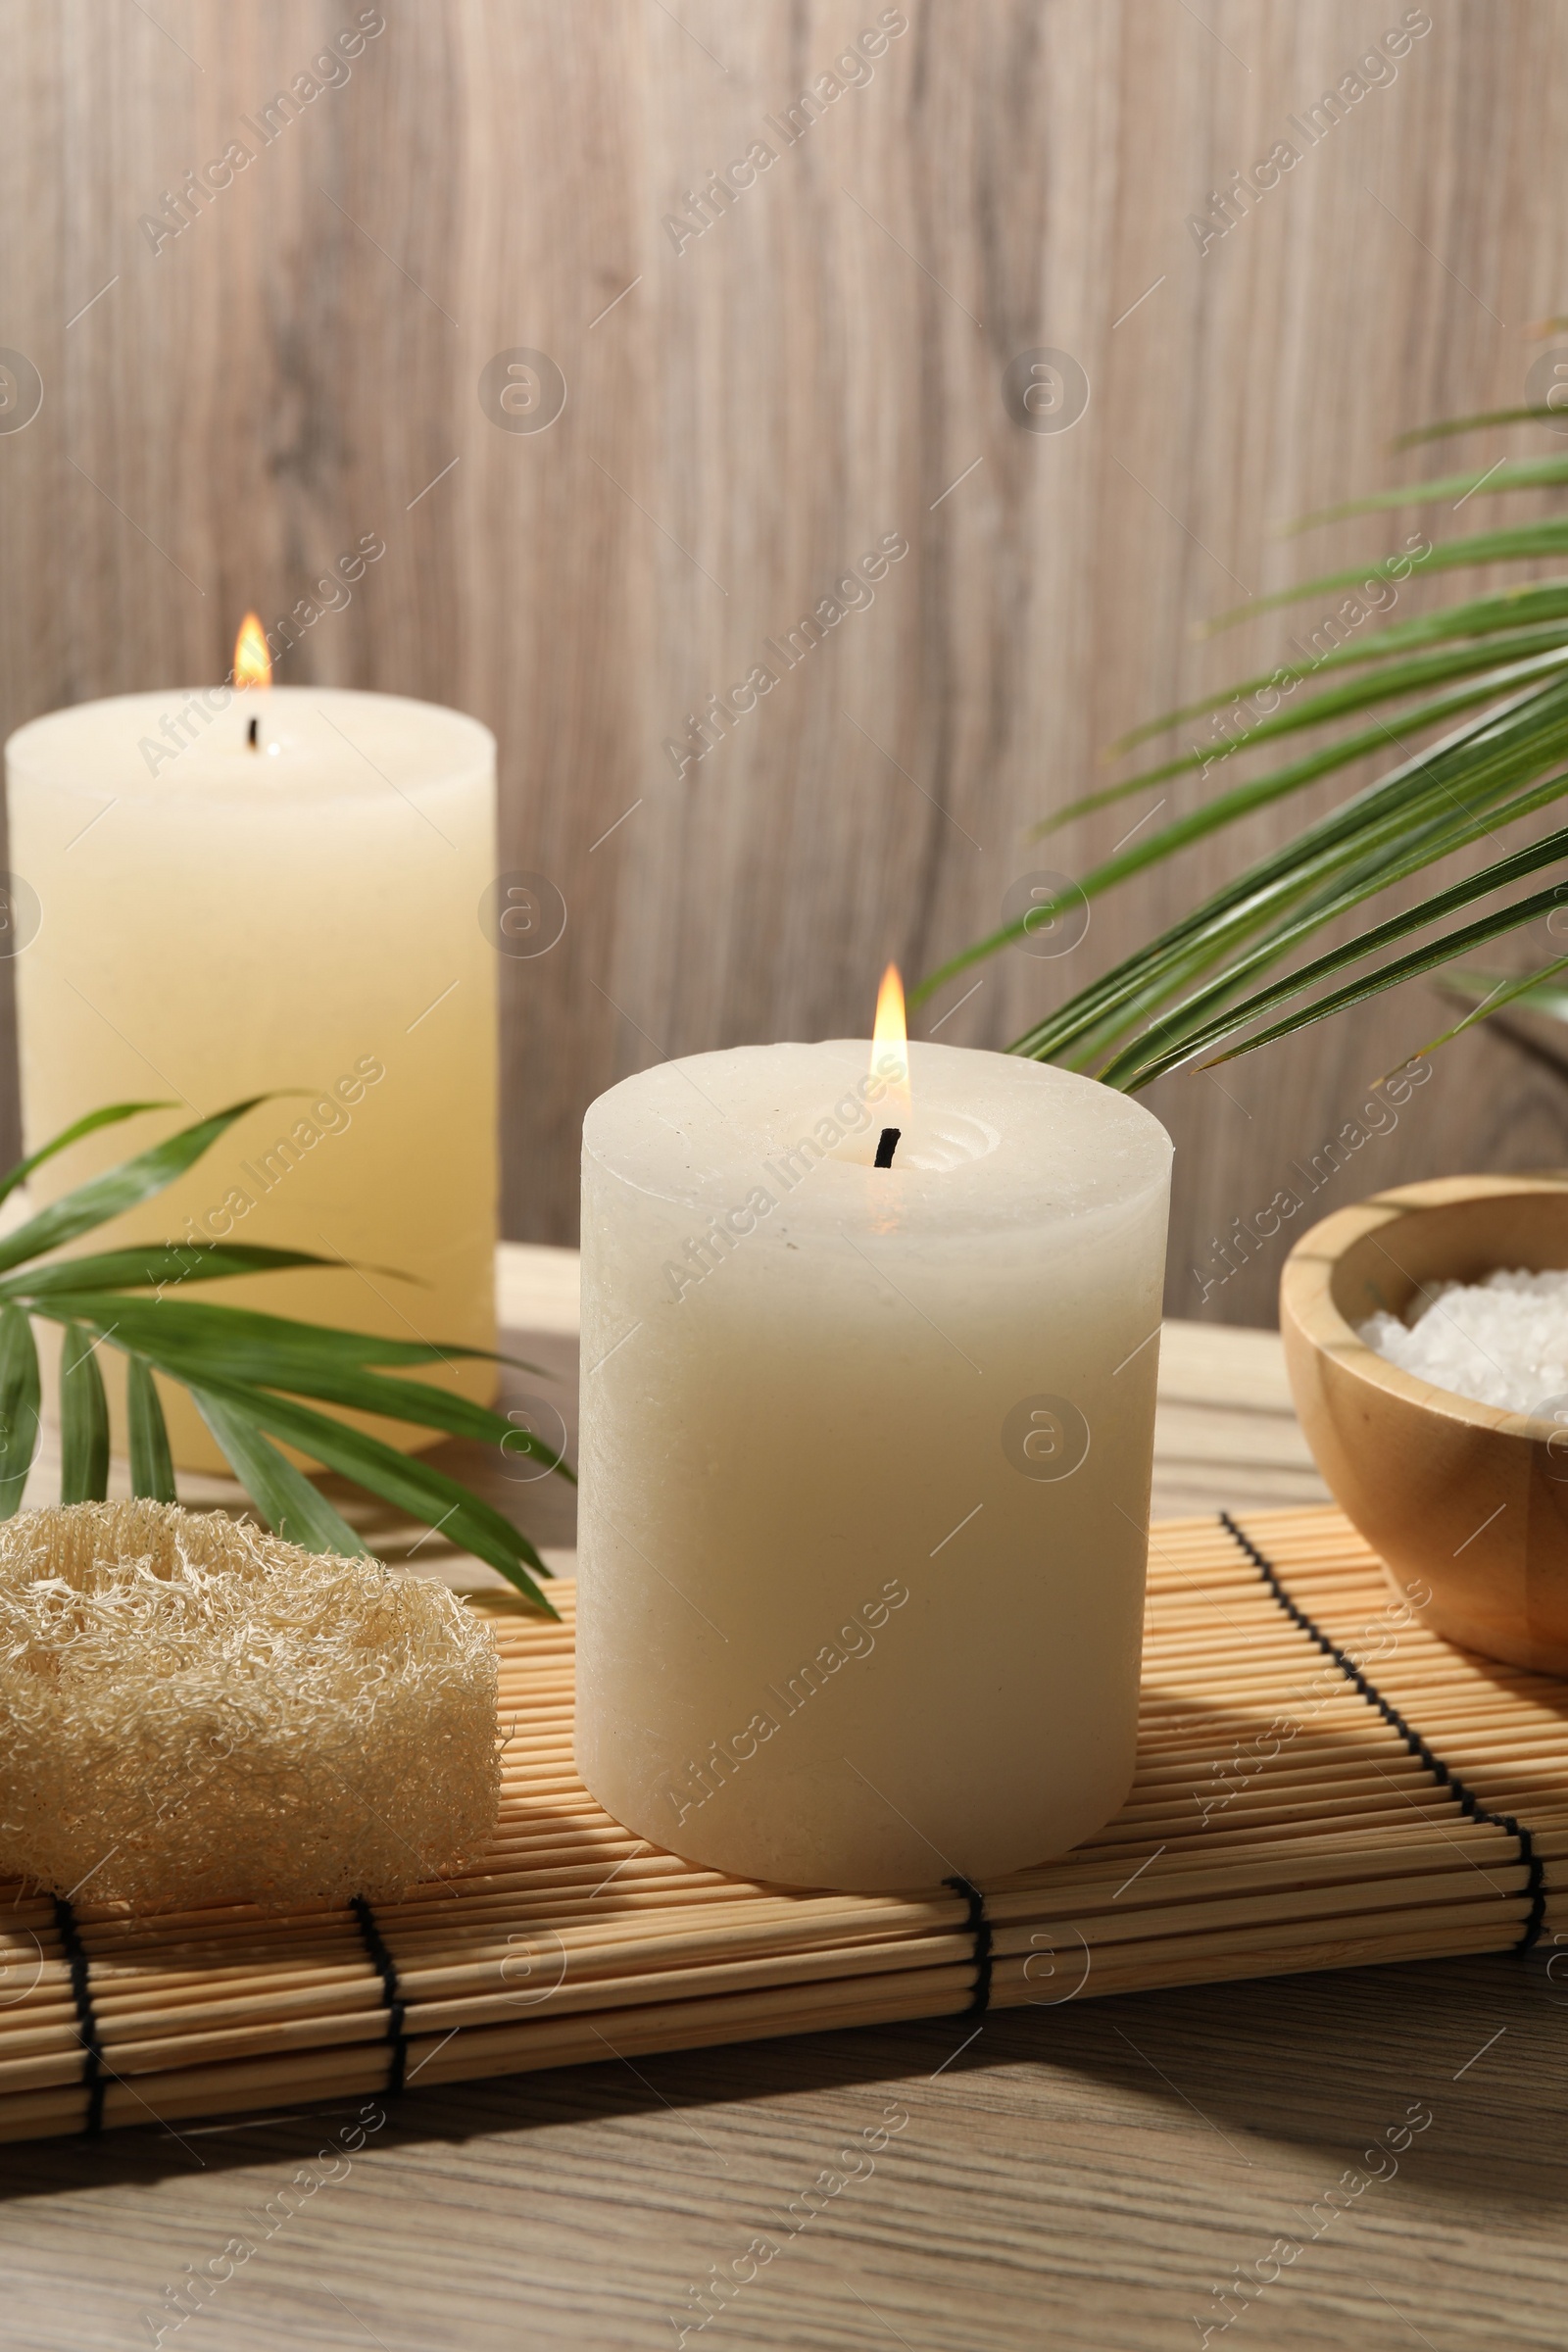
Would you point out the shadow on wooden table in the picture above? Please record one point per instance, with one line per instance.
(1330, 2062)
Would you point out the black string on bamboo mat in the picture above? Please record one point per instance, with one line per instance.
(385, 1966)
(92, 2072)
(1466, 1798)
(979, 1928)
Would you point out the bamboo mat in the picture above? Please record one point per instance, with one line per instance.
(1321, 1783)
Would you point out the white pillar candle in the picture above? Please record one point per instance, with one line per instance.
(215, 921)
(865, 1461)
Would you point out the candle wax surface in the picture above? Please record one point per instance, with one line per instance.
(303, 921)
(865, 1459)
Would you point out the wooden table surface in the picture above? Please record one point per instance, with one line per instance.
(1088, 2177)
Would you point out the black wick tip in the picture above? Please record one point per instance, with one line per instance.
(252, 734)
(887, 1145)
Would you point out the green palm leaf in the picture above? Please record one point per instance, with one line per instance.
(1521, 610)
(1525, 543)
(286, 1498)
(401, 1479)
(154, 1263)
(1198, 987)
(322, 1342)
(199, 1343)
(1390, 852)
(110, 1116)
(109, 1196)
(84, 1420)
(245, 1371)
(1155, 1054)
(20, 1393)
(1533, 991)
(1387, 685)
(1406, 967)
(1513, 473)
(1475, 987)
(152, 1465)
(1477, 764)
(1452, 426)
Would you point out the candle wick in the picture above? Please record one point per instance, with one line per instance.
(887, 1145)
(252, 734)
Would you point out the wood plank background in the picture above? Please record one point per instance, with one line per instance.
(745, 417)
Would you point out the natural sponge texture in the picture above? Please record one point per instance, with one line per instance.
(193, 1711)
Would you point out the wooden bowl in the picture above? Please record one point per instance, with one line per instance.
(1465, 1502)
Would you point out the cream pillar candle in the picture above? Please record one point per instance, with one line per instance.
(215, 921)
(865, 1461)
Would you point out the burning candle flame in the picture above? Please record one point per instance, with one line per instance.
(890, 1041)
(253, 663)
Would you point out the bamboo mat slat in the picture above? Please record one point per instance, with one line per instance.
(1279, 1822)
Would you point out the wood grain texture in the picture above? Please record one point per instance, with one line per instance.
(820, 367)
(1078, 2180)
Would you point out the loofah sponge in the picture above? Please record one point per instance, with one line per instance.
(193, 1711)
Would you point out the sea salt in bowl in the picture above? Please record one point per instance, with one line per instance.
(1502, 1340)
(1465, 1499)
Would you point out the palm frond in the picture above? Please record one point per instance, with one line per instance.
(201, 1343)
(20, 1393)
(246, 1372)
(1182, 1036)
(1385, 685)
(1525, 543)
(1474, 986)
(108, 1195)
(84, 1420)
(109, 1116)
(1491, 670)
(1404, 968)
(1512, 473)
(153, 1266)
(1476, 766)
(285, 1497)
(1451, 426)
(1530, 992)
(1508, 608)
(152, 1465)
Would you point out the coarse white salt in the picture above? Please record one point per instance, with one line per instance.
(1501, 1341)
